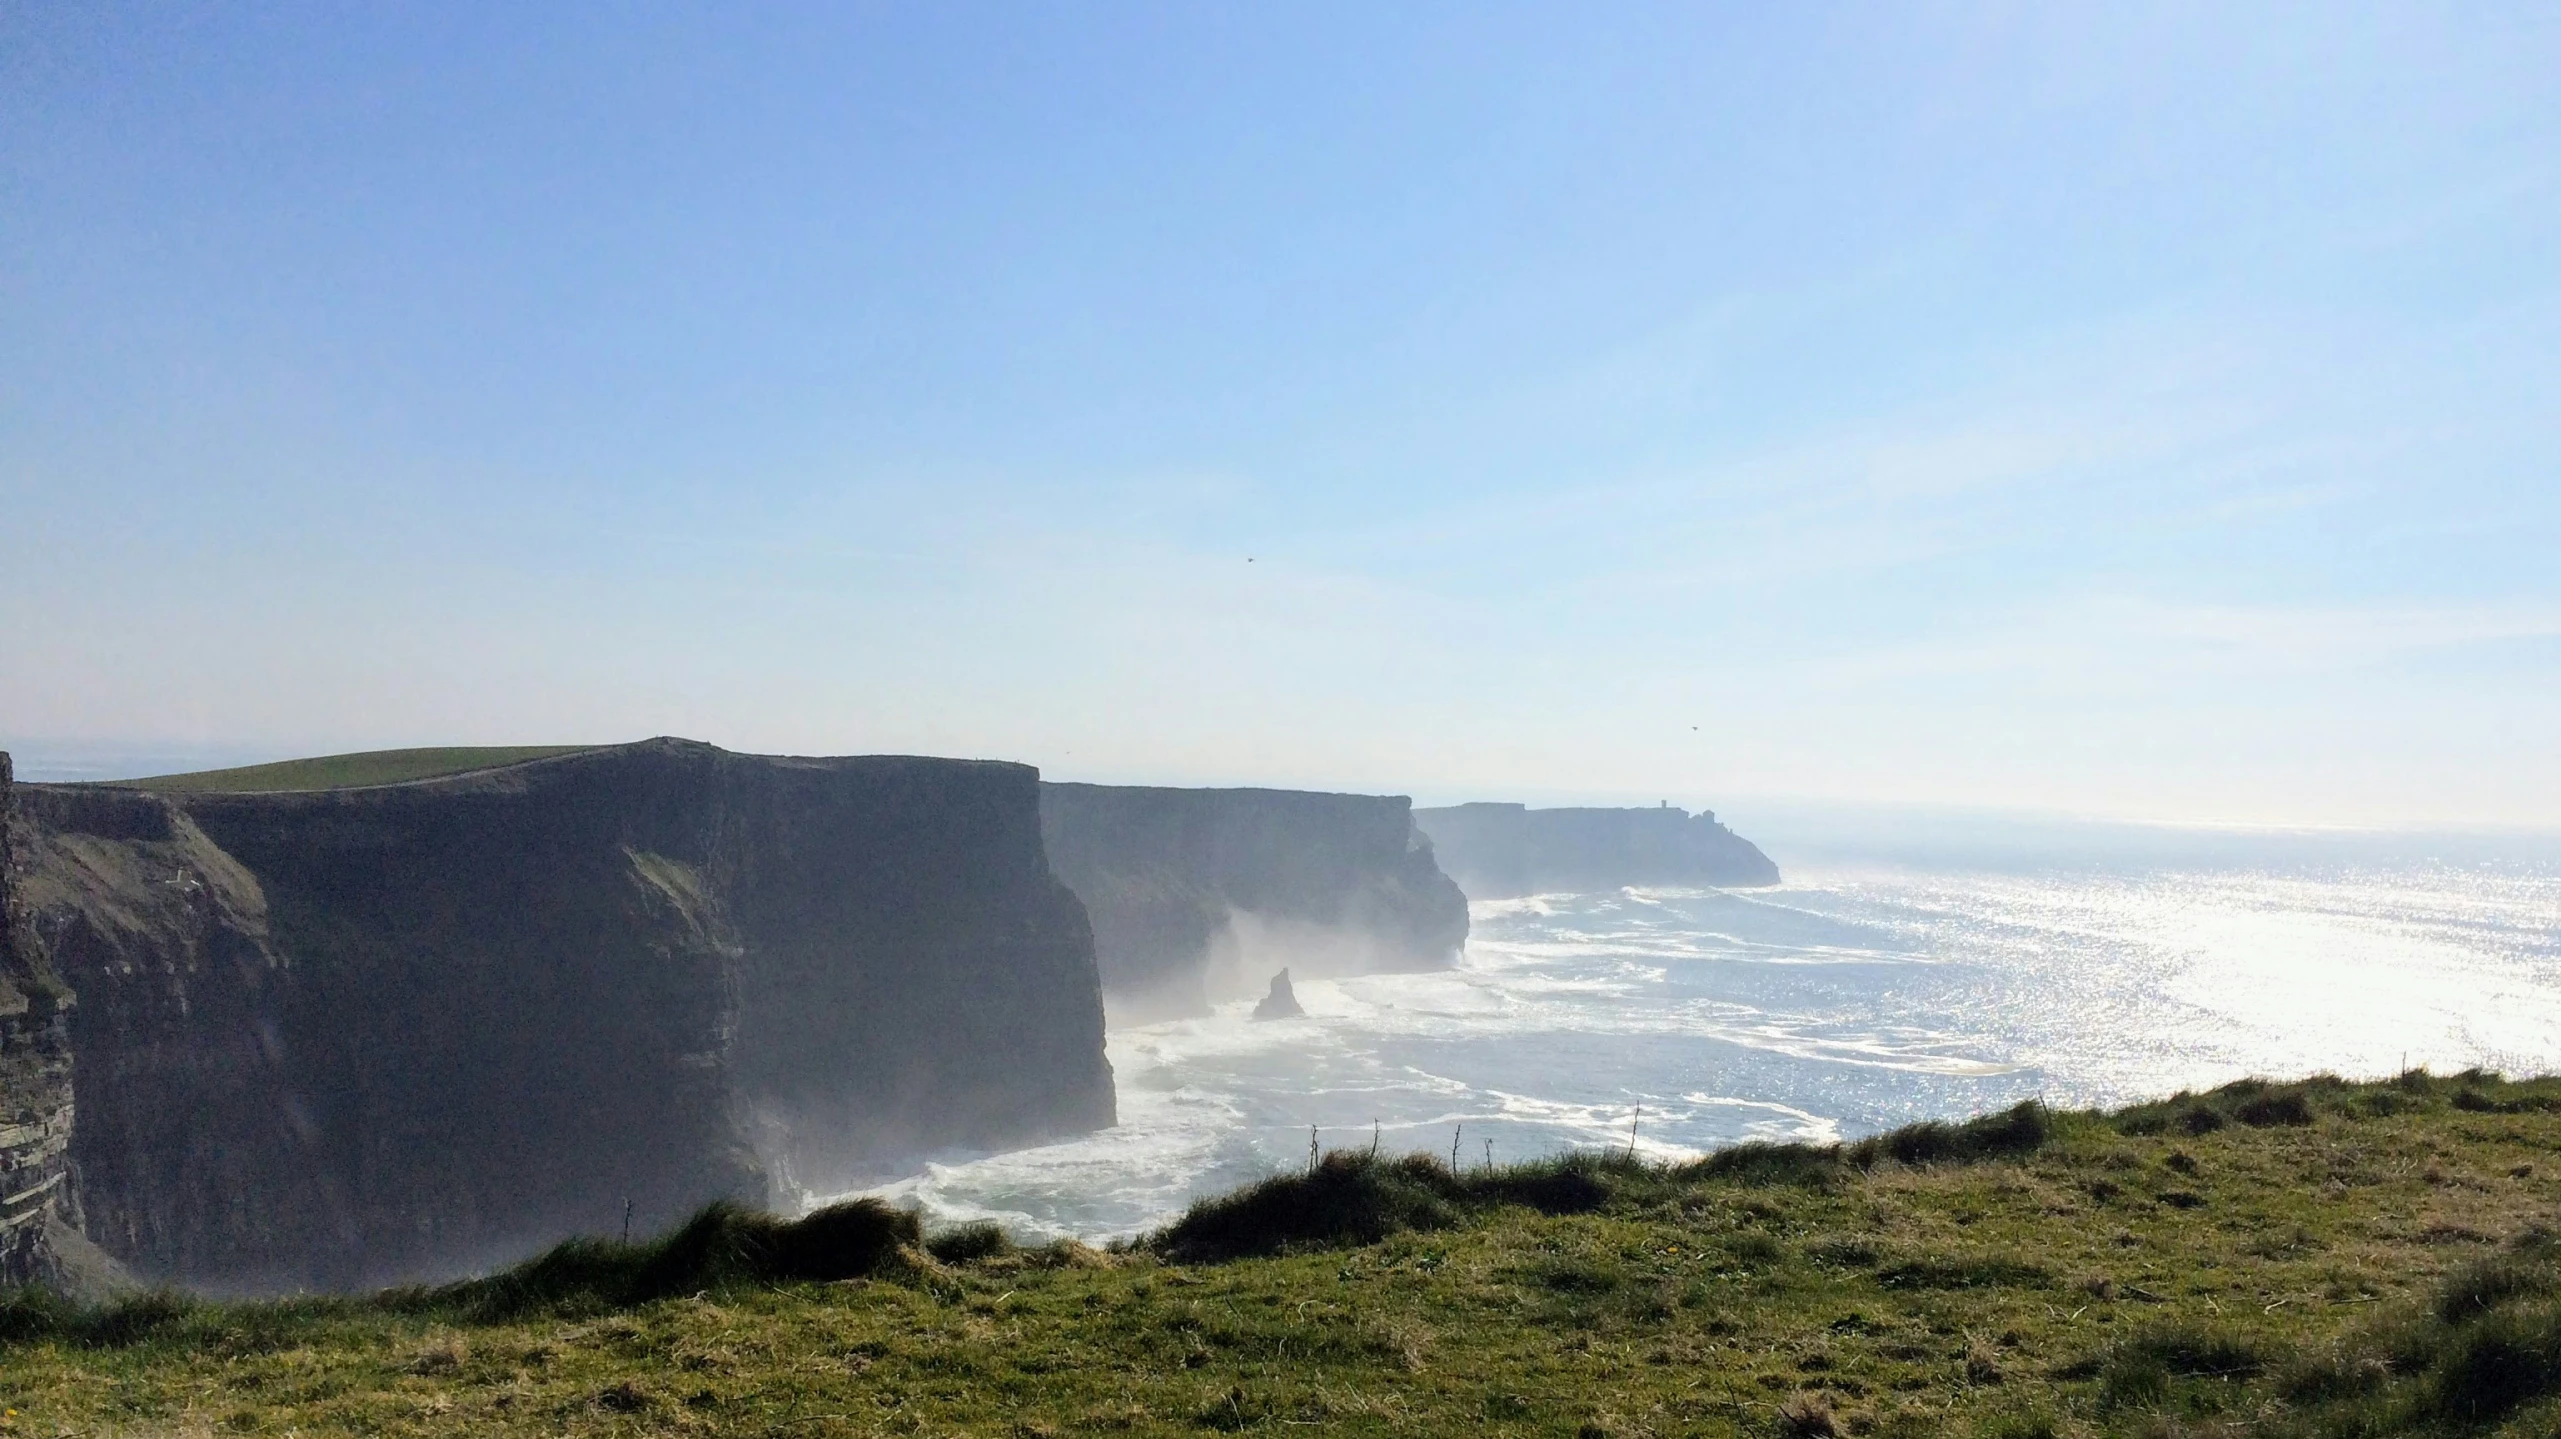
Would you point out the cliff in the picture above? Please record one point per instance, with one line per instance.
(35, 1080)
(355, 1036)
(1198, 894)
(1497, 851)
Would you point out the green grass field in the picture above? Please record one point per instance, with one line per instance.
(2317, 1258)
(347, 771)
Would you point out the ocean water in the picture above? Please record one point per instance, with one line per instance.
(1846, 1001)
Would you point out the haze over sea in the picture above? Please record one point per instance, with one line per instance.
(1938, 971)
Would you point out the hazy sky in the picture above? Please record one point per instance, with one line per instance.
(2136, 410)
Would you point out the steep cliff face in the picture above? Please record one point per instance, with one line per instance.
(1496, 851)
(1198, 892)
(35, 1079)
(355, 1036)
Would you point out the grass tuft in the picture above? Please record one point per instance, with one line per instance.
(2484, 1345)
(969, 1243)
(1764, 1164)
(1807, 1415)
(2261, 1111)
(722, 1247)
(2148, 1369)
(1349, 1198)
(1352, 1197)
(2014, 1132)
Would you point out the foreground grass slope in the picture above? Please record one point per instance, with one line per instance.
(2315, 1258)
(349, 771)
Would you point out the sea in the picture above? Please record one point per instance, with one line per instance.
(1933, 973)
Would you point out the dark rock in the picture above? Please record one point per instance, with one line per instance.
(36, 1199)
(359, 1036)
(1194, 889)
(1282, 1002)
(1498, 851)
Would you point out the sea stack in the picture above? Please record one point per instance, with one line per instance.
(1196, 892)
(1282, 1002)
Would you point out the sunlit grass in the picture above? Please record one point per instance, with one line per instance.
(348, 771)
(2316, 1258)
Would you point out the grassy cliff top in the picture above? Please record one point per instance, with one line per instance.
(348, 771)
(2317, 1258)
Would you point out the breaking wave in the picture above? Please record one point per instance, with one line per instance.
(1682, 1021)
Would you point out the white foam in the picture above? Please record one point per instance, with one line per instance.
(1822, 1010)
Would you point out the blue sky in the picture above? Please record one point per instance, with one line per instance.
(2134, 411)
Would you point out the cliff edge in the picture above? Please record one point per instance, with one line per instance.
(1197, 894)
(35, 1080)
(398, 1032)
(1499, 851)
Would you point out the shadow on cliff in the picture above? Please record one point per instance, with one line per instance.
(333, 1039)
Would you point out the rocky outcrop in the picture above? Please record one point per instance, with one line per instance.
(35, 1081)
(1497, 851)
(1281, 1002)
(1196, 893)
(349, 1037)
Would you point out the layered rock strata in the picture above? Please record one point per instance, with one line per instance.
(1499, 851)
(1199, 893)
(349, 1037)
(35, 1080)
